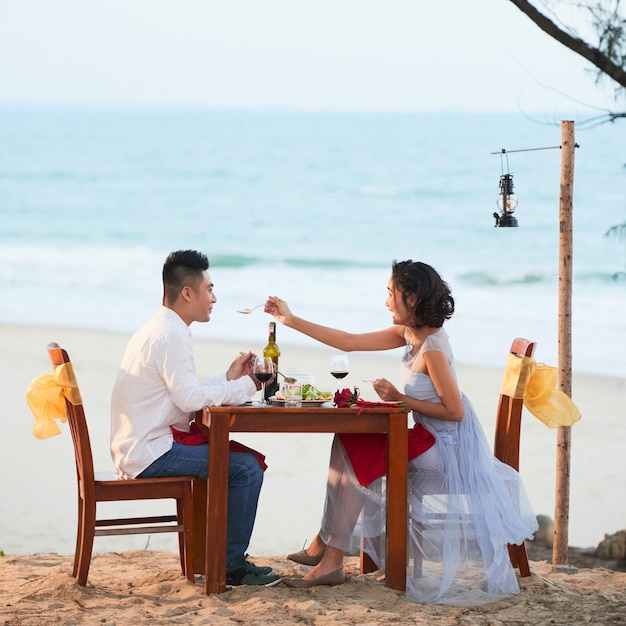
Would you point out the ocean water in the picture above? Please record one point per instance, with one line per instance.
(312, 207)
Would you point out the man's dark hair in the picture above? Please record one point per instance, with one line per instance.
(182, 268)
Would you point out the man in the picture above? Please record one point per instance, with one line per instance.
(156, 393)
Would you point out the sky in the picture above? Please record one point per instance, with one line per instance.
(356, 55)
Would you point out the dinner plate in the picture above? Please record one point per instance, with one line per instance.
(281, 402)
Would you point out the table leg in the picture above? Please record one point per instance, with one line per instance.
(217, 505)
(397, 490)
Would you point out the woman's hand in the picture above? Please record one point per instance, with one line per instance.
(386, 391)
(278, 308)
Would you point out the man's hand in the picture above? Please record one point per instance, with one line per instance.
(241, 366)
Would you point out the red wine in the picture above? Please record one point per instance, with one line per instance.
(263, 377)
(339, 374)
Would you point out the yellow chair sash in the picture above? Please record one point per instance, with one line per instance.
(46, 397)
(535, 384)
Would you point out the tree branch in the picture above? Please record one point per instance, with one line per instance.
(593, 55)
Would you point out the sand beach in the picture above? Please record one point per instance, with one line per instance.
(136, 587)
(138, 579)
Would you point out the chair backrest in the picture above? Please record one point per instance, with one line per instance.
(80, 433)
(509, 417)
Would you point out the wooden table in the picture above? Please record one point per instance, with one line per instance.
(221, 421)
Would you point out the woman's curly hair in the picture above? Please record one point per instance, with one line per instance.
(435, 303)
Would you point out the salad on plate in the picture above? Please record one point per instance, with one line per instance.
(309, 392)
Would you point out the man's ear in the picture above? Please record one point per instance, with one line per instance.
(186, 292)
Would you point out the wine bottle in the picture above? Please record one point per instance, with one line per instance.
(271, 349)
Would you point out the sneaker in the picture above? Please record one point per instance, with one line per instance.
(242, 572)
(259, 569)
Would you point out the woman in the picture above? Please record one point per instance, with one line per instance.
(464, 504)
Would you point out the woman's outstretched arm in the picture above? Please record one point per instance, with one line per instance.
(386, 339)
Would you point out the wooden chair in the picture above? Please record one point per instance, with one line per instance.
(507, 442)
(91, 490)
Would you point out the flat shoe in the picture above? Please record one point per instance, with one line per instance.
(304, 558)
(338, 577)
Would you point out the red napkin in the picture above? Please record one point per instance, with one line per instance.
(368, 451)
(196, 437)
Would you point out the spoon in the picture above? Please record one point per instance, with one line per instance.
(248, 310)
(288, 379)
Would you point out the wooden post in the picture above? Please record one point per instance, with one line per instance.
(561, 511)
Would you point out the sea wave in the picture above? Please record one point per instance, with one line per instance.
(491, 279)
(486, 279)
(64, 259)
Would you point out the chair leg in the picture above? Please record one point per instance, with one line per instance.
(367, 563)
(79, 535)
(85, 543)
(180, 514)
(418, 556)
(519, 559)
(199, 495)
(185, 539)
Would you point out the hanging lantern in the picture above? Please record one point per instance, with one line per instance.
(507, 203)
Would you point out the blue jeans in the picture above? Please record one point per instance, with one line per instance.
(245, 478)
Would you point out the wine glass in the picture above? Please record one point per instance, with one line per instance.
(339, 366)
(263, 371)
